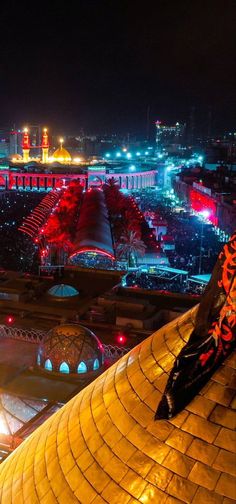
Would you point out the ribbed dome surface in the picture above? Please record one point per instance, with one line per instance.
(104, 446)
(72, 344)
(63, 291)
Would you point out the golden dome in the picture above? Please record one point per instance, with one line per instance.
(104, 446)
(61, 155)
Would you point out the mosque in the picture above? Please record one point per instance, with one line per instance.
(60, 155)
(105, 446)
(52, 170)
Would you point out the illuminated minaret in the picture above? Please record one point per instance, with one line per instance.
(26, 145)
(45, 146)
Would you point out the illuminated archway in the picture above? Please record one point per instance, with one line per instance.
(48, 365)
(82, 368)
(96, 365)
(64, 368)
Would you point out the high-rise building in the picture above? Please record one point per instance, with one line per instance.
(169, 137)
(4, 143)
(15, 141)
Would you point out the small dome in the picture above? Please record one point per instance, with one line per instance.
(70, 348)
(62, 291)
(61, 155)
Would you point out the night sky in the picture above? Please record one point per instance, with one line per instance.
(101, 65)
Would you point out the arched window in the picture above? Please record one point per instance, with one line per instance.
(38, 359)
(48, 365)
(82, 368)
(64, 368)
(96, 364)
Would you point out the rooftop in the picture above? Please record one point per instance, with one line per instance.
(105, 447)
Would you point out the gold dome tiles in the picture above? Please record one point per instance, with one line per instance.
(104, 447)
(179, 440)
(124, 449)
(152, 400)
(179, 419)
(201, 406)
(200, 428)
(218, 393)
(204, 475)
(226, 486)
(159, 476)
(112, 436)
(231, 361)
(181, 488)
(178, 463)
(204, 496)
(160, 430)
(99, 477)
(225, 375)
(226, 439)
(224, 416)
(202, 451)
(138, 436)
(172, 500)
(152, 495)
(226, 462)
(140, 463)
(133, 483)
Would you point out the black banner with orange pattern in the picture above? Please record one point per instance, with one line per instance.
(212, 339)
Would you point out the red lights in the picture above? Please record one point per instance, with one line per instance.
(25, 140)
(59, 225)
(10, 319)
(201, 202)
(45, 142)
(121, 338)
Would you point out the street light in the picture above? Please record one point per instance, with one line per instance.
(205, 214)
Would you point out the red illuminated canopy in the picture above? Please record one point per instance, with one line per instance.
(93, 231)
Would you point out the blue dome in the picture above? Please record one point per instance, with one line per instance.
(63, 291)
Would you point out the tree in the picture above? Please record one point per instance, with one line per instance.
(130, 246)
(111, 183)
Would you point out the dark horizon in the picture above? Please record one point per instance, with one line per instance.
(100, 67)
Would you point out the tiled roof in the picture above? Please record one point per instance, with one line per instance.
(105, 447)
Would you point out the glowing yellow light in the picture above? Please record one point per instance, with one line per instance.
(26, 130)
(45, 130)
(77, 160)
(61, 140)
(3, 426)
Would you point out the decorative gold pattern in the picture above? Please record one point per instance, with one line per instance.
(105, 447)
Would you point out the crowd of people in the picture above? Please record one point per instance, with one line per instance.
(17, 251)
(154, 282)
(191, 236)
